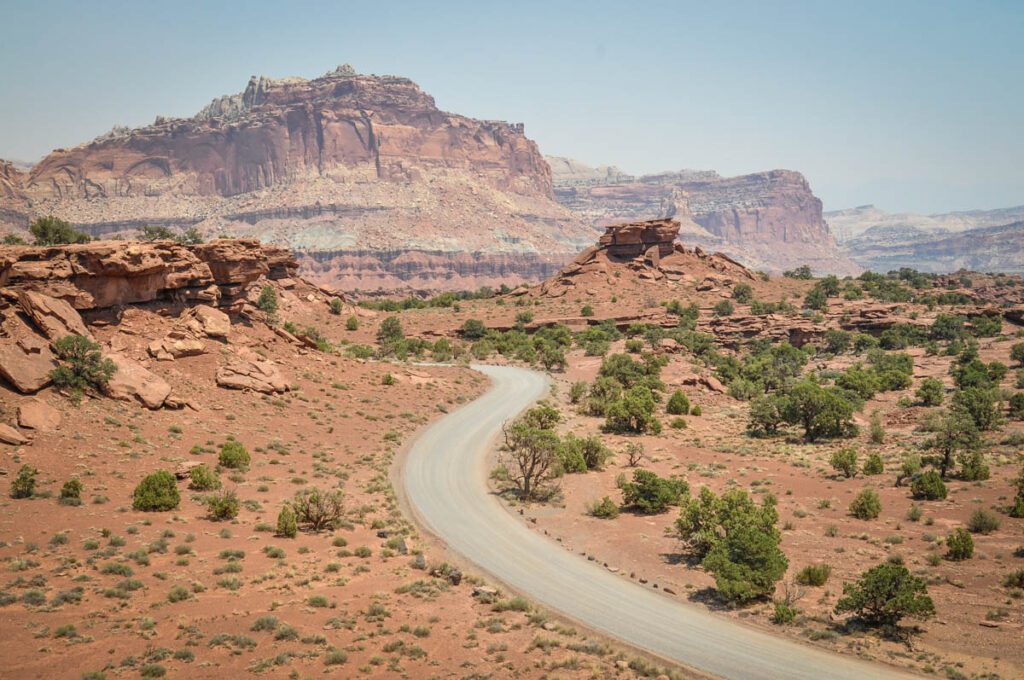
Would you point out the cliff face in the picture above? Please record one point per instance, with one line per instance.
(769, 220)
(344, 162)
(984, 249)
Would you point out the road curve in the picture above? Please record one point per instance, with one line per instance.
(445, 482)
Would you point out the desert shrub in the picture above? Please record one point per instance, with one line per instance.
(234, 455)
(1016, 406)
(822, 412)
(959, 545)
(587, 310)
(649, 494)
(983, 522)
(606, 508)
(287, 522)
(1015, 579)
(814, 575)
(178, 594)
(885, 594)
(156, 492)
(473, 329)
(267, 301)
(71, 493)
(844, 461)
(82, 367)
(874, 465)
(678, 404)
(837, 341)
(876, 431)
(723, 308)
(867, 504)
(352, 323)
(53, 231)
(580, 454)
(978, 403)
(973, 467)
(336, 306)
(742, 293)
(577, 391)
(318, 510)
(928, 486)
(202, 478)
(24, 485)
(739, 543)
(222, 505)
(633, 412)
(783, 614)
(1017, 509)
(766, 415)
(931, 392)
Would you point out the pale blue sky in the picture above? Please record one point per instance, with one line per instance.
(911, 105)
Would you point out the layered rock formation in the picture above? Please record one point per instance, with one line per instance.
(769, 220)
(107, 274)
(344, 163)
(980, 240)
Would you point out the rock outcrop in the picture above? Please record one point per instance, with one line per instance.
(768, 220)
(259, 376)
(107, 274)
(133, 381)
(343, 162)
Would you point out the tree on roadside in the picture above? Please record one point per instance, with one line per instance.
(532, 449)
(884, 595)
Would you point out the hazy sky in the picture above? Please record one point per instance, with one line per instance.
(911, 105)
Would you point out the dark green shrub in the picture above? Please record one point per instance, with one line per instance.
(783, 614)
(928, 486)
(24, 485)
(233, 454)
(844, 461)
(973, 467)
(885, 594)
(473, 329)
(319, 510)
(82, 367)
(931, 392)
(874, 465)
(352, 323)
(53, 231)
(867, 504)
(649, 494)
(603, 509)
(960, 545)
(678, 404)
(267, 301)
(287, 523)
(71, 493)
(156, 492)
(203, 478)
(336, 306)
(1016, 406)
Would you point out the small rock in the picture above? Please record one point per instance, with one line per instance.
(485, 593)
(419, 562)
(549, 626)
(8, 435)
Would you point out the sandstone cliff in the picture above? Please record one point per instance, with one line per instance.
(769, 220)
(343, 163)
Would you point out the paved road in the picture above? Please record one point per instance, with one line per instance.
(445, 479)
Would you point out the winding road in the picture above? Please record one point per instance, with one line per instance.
(445, 482)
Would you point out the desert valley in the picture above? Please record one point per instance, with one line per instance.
(327, 381)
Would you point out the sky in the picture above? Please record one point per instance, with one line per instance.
(912, 105)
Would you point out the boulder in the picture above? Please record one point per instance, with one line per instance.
(55, 318)
(38, 415)
(212, 322)
(170, 348)
(8, 435)
(26, 363)
(134, 382)
(259, 376)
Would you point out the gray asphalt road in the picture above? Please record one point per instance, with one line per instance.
(445, 480)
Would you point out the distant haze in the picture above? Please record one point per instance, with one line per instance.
(911, 106)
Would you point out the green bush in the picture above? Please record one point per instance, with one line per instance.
(222, 506)
(874, 465)
(606, 508)
(844, 461)
(867, 504)
(885, 594)
(473, 329)
(52, 231)
(960, 545)
(24, 485)
(814, 575)
(267, 301)
(931, 392)
(928, 486)
(319, 510)
(287, 523)
(82, 367)
(587, 311)
(678, 404)
(203, 478)
(649, 494)
(742, 293)
(783, 614)
(336, 306)
(723, 308)
(983, 522)
(156, 492)
(973, 467)
(71, 493)
(352, 323)
(234, 455)
(1016, 405)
